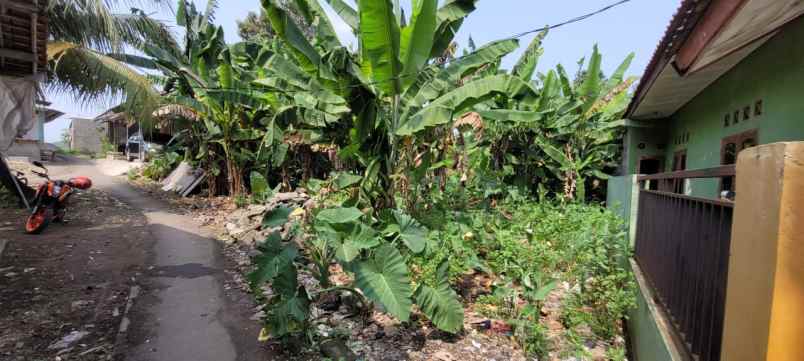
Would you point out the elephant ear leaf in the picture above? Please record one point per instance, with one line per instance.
(384, 279)
(440, 303)
(339, 215)
(259, 186)
(276, 217)
(273, 260)
(412, 233)
(349, 247)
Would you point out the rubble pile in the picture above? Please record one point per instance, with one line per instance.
(244, 225)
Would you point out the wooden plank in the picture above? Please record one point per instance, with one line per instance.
(16, 54)
(34, 44)
(27, 7)
(716, 172)
(2, 33)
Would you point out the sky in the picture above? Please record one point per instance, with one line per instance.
(636, 26)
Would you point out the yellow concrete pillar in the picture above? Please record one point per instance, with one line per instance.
(765, 295)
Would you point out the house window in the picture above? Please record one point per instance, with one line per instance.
(730, 148)
(746, 113)
(727, 120)
(680, 160)
(679, 164)
(736, 117)
(758, 108)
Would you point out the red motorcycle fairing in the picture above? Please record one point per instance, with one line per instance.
(80, 182)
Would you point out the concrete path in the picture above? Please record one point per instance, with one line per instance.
(183, 312)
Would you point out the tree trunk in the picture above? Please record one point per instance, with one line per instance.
(234, 177)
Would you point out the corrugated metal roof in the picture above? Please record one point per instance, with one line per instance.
(704, 41)
(679, 29)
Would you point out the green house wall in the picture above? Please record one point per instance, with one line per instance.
(773, 74)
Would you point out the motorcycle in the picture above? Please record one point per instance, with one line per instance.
(50, 200)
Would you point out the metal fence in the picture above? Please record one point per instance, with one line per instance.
(682, 247)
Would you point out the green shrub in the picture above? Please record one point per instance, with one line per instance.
(133, 174)
(161, 165)
(530, 247)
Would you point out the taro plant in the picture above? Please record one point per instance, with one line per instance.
(374, 251)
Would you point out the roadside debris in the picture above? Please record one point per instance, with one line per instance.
(244, 225)
(183, 179)
(68, 340)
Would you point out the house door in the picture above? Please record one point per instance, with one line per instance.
(651, 165)
(730, 148)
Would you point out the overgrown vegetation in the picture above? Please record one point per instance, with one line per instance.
(429, 167)
(160, 166)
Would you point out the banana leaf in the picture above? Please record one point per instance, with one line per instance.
(433, 84)
(288, 30)
(314, 14)
(417, 39)
(346, 12)
(590, 88)
(526, 66)
(508, 115)
(441, 110)
(379, 36)
(450, 19)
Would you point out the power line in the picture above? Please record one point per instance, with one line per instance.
(512, 37)
(570, 21)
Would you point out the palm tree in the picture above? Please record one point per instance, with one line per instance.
(87, 51)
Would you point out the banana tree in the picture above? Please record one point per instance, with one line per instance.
(574, 124)
(373, 92)
(213, 80)
(391, 78)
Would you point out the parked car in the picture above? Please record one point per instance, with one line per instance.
(136, 147)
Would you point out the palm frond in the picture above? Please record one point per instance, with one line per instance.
(92, 77)
(93, 24)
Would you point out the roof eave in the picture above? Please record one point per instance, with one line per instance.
(679, 30)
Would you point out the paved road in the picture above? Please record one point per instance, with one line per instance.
(183, 312)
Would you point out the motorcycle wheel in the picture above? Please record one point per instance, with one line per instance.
(38, 221)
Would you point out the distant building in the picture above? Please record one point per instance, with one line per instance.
(85, 135)
(118, 127)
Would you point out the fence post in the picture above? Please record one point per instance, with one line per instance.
(764, 317)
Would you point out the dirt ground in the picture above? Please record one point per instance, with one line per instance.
(374, 338)
(124, 261)
(72, 280)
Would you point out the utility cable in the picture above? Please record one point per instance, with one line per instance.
(512, 37)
